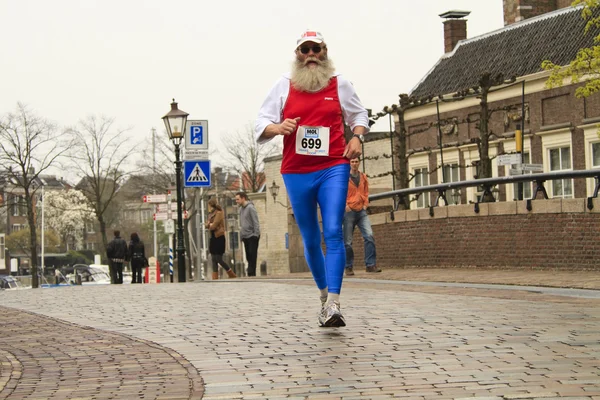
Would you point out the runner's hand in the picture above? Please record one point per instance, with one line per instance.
(288, 126)
(353, 149)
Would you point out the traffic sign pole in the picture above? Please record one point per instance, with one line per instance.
(181, 270)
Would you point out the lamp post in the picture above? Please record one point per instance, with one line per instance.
(175, 122)
(233, 242)
(274, 190)
(456, 196)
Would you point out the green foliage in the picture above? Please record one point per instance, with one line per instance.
(586, 65)
(75, 257)
(19, 242)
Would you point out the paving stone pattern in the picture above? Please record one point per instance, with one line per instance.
(251, 339)
(42, 358)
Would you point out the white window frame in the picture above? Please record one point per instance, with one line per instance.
(17, 227)
(146, 216)
(590, 137)
(565, 182)
(16, 206)
(419, 161)
(554, 139)
(470, 154)
(451, 157)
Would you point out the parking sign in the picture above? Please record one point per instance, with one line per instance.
(196, 135)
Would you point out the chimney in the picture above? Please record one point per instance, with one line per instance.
(518, 10)
(455, 28)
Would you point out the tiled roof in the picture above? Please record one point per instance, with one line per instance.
(515, 50)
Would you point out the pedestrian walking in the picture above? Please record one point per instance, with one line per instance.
(357, 203)
(249, 230)
(216, 245)
(116, 252)
(137, 258)
(309, 108)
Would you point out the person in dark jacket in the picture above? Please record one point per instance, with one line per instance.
(137, 258)
(216, 246)
(116, 251)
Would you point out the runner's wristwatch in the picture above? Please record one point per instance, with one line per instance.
(360, 137)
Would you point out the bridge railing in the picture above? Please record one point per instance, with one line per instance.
(488, 184)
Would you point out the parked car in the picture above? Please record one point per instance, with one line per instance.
(9, 282)
(86, 275)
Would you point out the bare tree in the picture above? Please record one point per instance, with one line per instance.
(29, 146)
(487, 83)
(249, 156)
(159, 168)
(100, 154)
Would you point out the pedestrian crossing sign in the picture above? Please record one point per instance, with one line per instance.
(196, 173)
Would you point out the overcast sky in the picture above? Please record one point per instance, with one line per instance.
(67, 59)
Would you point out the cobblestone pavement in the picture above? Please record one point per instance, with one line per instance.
(258, 339)
(43, 358)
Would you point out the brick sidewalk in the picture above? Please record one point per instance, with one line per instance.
(258, 339)
(42, 358)
(548, 278)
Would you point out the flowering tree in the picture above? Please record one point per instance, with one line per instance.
(66, 212)
(29, 145)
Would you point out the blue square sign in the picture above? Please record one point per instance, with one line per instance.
(196, 173)
(196, 135)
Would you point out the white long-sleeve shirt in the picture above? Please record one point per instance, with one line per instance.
(271, 111)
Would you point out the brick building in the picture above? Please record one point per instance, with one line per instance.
(14, 213)
(560, 132)
(560, 129)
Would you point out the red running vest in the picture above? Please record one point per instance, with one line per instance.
(320, 108)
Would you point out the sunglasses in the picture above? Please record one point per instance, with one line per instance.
(315, 49)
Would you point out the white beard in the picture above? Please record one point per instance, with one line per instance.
(311, 79)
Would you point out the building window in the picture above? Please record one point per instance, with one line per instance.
(451, 174)
(596, 155)
(17, 227)
(422, 179)
(19, 207)
(89, 227)
(90, 246)
(560, 160)
(145, 216)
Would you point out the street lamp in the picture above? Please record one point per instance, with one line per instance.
(274, 190)
(175, 122)
(233, 242)
(456, 195)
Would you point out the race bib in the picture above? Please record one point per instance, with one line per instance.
(312, 140)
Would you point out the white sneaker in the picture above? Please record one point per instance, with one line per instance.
(331, 316)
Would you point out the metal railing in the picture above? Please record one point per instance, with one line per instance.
(488, 184)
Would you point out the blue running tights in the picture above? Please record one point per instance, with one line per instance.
(328, 188)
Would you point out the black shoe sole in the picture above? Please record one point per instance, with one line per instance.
(335, 321)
